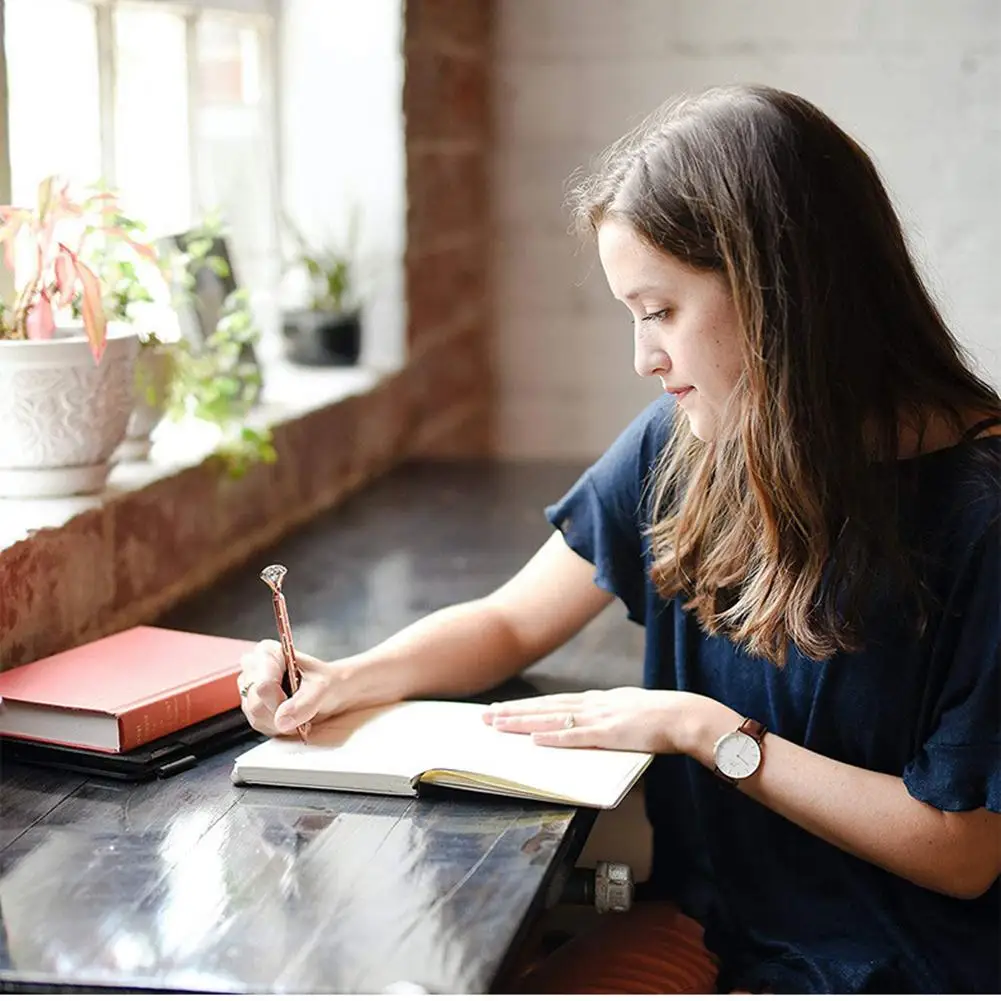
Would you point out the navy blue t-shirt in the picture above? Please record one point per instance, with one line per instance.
(783, 909)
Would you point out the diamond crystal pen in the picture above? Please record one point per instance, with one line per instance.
(273, 576)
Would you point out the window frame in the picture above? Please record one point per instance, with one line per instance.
(6, 275)
(266, 15)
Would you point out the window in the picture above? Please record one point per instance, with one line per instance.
(67, 79)
(231, 135)
(151, 159)
(175, 103)
(171, 103)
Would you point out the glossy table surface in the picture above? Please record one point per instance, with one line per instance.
(190, 883)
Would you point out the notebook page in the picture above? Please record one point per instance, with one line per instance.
(414, 738)
(574, 775)
(397, 740)
(452, 737)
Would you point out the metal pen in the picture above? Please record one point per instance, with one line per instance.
(273, 576)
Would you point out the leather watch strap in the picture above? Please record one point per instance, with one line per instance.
(753, 728)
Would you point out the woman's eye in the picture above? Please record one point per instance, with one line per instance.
(660, 314)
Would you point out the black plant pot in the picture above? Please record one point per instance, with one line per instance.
(313, 337)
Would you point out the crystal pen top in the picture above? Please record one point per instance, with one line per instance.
(273, 576)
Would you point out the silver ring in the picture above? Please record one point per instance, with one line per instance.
(245, 689)
(569, 723)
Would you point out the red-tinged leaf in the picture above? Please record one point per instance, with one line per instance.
(64, 204)
(66, 275)
(108, 197)
(40, 322)
(94, 320)
(142, 249)
(60, 207)
(71, 210)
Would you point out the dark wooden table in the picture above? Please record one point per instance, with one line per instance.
(192, 884)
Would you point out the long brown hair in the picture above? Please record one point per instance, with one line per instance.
(780, 529)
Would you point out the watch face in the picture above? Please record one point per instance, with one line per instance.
(737, 755)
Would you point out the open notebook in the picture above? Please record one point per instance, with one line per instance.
(392, 749)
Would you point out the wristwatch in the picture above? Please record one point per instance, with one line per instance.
(737, 754)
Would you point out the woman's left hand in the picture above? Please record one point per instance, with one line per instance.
(627, 719)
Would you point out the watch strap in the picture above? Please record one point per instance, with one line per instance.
(753, 729)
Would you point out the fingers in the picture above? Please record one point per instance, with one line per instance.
(578, 736)
(563, 729)
(617, 719)
(259, 683)
(309, 665)
(261, 696)
(558, 729)
(260, 703)
(263, 663)
(300, 709)
(542, 705)
(537, 722)
(303, 706)
(569, 719)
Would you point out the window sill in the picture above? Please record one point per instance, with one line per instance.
(75, 568)
(290, 392)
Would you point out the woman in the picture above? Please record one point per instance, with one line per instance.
(807, 527)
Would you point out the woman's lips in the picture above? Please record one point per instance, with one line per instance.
(680, 394)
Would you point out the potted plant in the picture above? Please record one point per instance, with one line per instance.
(328, 331)
(216, 383)
(214, 378)
(65, 382)
(131, 292)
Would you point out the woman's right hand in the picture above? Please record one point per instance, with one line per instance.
(469, 647)
(323, 689)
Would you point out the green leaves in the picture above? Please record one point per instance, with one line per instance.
(330, 270)
(217, 265)
(217, 383)
(241, 451)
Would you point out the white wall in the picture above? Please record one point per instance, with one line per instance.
(341, 123)
(918, 82)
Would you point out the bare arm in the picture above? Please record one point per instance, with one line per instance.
(473, 646)
(456, 651)
(867, 813)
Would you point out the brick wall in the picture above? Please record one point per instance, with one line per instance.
(446, 103)
(917, 81)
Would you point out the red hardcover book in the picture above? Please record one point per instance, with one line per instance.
(122, 691)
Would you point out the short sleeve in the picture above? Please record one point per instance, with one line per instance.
(602, 516)
(959, 765)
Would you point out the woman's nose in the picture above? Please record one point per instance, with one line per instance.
(648, 359)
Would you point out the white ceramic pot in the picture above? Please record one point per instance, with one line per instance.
(154, 371)
(61, 415)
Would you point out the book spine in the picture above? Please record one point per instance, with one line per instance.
(141, 724)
